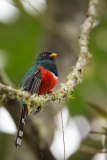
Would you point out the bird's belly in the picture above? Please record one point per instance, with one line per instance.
(49, 81)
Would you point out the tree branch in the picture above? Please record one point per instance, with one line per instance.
(74, 78)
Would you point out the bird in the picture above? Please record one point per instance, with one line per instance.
(40, 78)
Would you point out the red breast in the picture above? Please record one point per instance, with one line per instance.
(49, 81)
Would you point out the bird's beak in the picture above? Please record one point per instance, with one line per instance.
(53, 55)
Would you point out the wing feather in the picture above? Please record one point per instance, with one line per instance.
(35, 85)
(32, 82)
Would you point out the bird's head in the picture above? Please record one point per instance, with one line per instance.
(46, 55)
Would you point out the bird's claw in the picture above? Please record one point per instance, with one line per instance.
(49, 92)
(39, 108)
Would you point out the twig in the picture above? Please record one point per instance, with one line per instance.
(99, 133)
(74, 78)
(63, 132)
(54, 27)
(89, 150)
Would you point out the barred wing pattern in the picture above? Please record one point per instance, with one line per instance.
(32, 82)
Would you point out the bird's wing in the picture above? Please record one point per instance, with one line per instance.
(33, 81)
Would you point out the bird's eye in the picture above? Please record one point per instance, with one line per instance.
(44, 54)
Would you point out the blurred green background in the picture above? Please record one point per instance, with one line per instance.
(57, 28)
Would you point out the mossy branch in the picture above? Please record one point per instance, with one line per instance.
(74, 78)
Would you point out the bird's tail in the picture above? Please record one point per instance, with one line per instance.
(19, 135)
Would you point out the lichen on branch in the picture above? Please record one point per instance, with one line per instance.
(74, 77)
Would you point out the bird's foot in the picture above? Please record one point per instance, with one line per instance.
(39, 108)
(49, 92)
